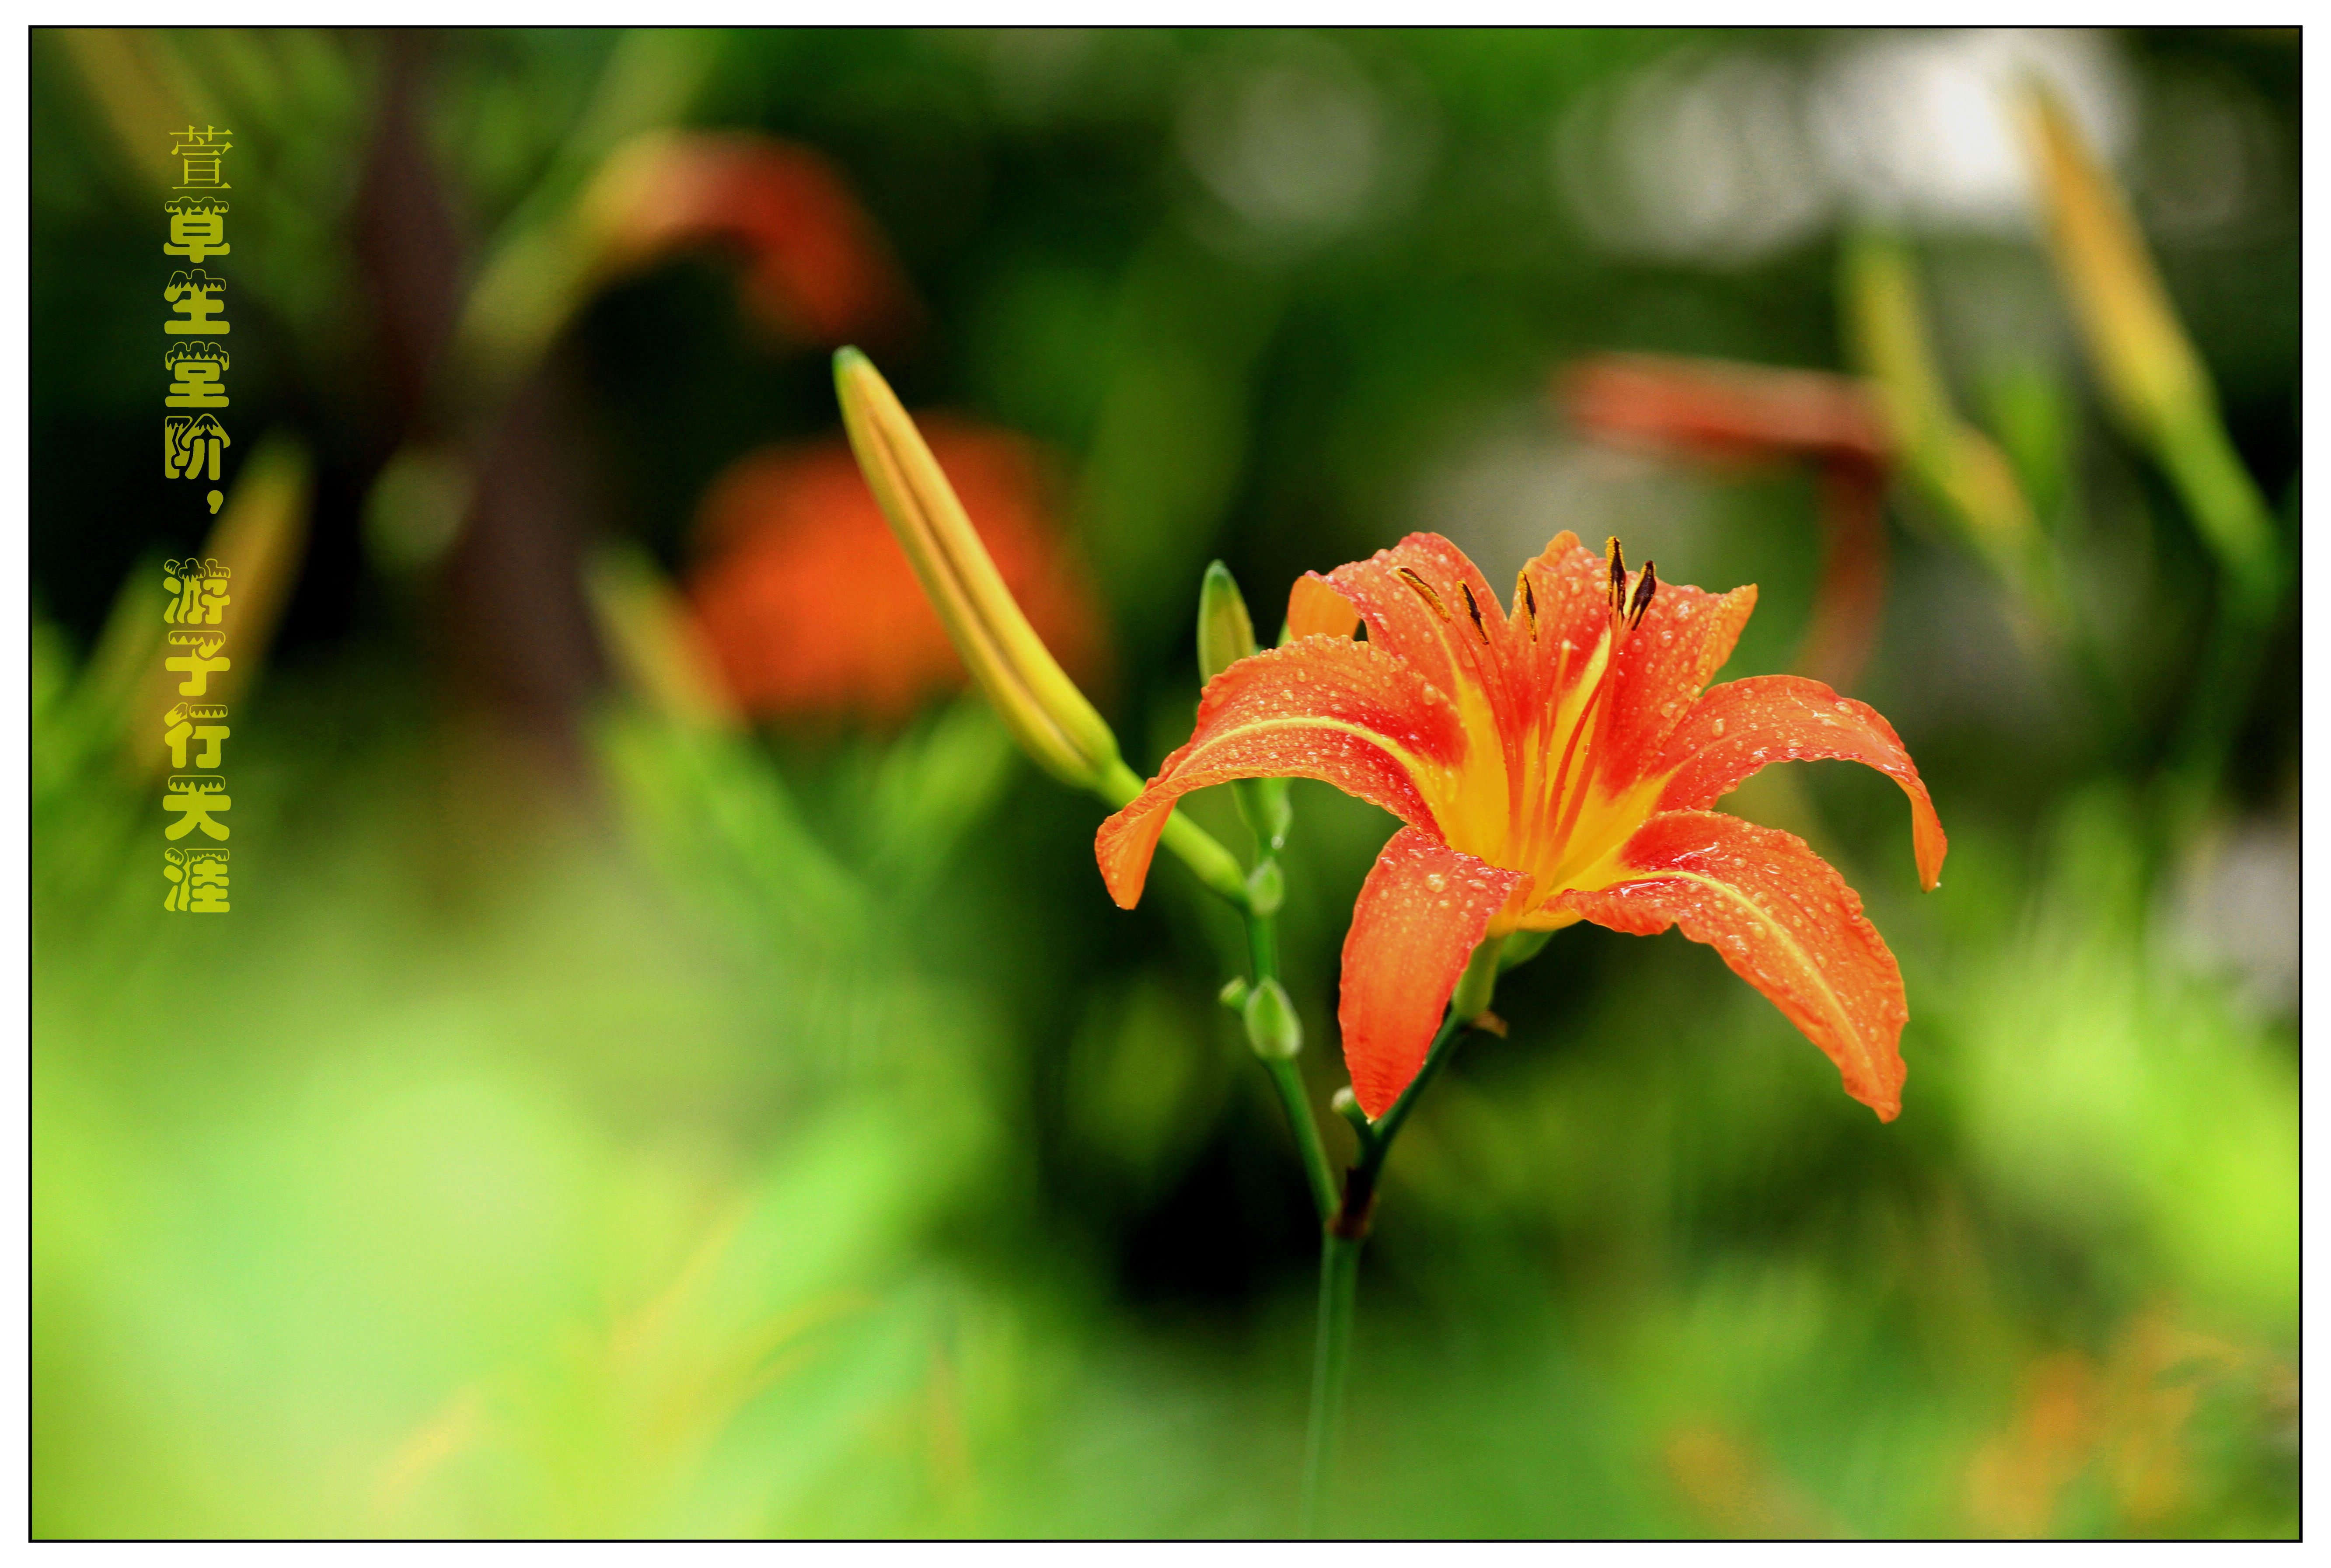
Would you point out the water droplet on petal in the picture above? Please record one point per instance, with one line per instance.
(1719, 727)
(1844, 707)
(1436, 881)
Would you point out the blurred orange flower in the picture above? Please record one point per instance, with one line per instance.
(810, 607)
(816, 267)
(1745, 417)
(2128, 1419)
(1740, 415)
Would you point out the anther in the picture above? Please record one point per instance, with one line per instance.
(1473, 609)
(1617, 558)
(1645, 587)
(1423, 589)
(1528, 599)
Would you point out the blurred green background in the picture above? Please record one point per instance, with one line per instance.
(602, 1113)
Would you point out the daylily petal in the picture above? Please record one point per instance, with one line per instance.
(1562, 591)
(1682, 641)
(1568, 594)
(1562, 605)
(1425, 602)
(1782, 919)
(1421, 914)
(1344, 712)
(1313, 609)
(1738, 728)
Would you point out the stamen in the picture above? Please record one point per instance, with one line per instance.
(1473, 609)
(1424, 590)
(1617, 558)
(1528, 599)
(1648, 584)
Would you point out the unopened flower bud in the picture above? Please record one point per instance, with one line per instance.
(1037, 701)
(1266, 890)
(1225, 631)
(1272, 1027)
(2147, 364)
(1225, 636)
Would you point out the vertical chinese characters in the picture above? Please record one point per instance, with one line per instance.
(198, 591)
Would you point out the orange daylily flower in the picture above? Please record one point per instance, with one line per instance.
(1552, 763)
(812, 610)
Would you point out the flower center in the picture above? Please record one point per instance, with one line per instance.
(1554, 816)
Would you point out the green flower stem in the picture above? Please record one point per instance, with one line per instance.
(1347, 1233)
(1331, 1356)
(1262, 944)
(1288, 1081)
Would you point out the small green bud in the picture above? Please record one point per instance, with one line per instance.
(1225, 631)
(1266, 890)
(1233, 994)
(1272, 1027)
(1346, 1104)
